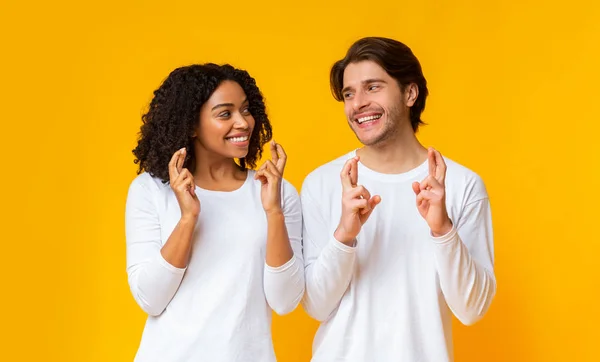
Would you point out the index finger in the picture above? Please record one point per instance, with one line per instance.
(431, 161)
(173, 171)
(354, 172)
(345, 175)
(180, 160)
(274, 155)
(440, 170)
(282, 158)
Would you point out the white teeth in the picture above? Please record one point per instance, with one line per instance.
(238, 139)
(369, 118)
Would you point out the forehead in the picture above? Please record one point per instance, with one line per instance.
(359, 72)
(227, 92)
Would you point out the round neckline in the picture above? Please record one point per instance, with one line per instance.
(217, 192)
(392, 177)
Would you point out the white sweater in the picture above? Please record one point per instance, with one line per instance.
(219, 307)
(391, 297)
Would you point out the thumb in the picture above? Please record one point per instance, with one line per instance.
(373, 201)
(416, 187)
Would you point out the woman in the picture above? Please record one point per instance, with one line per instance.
(212, 246)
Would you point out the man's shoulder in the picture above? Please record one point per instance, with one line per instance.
(326, 174)
(458, 170)
(461, 179)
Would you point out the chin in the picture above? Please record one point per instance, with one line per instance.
(229, 154)
(240, 154)
(370, 139)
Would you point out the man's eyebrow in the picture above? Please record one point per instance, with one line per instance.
(373, 80)
(364, 82)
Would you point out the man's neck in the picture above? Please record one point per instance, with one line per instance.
(393, 156)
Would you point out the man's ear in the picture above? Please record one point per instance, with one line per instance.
(411, 93)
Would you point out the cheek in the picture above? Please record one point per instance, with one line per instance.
(211, 131)
(251, 122)
(348, 110)
(386, 104)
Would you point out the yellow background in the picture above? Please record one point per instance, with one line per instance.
(514, 96)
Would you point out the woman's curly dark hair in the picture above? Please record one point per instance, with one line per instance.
(174, 112)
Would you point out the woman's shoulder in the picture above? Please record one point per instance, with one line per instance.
(145, 181)
(288, 189)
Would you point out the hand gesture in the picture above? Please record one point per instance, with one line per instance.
(270, 175)
(357, 203)
(431, 195)
(182, 183)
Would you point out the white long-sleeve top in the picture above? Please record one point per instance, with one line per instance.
(219, 307)
(391, 297)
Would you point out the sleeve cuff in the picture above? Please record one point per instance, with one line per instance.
(169, 267)
(343, 247)
(280, 269)
(445, 239)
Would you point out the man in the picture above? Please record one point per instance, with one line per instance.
(404, 239)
